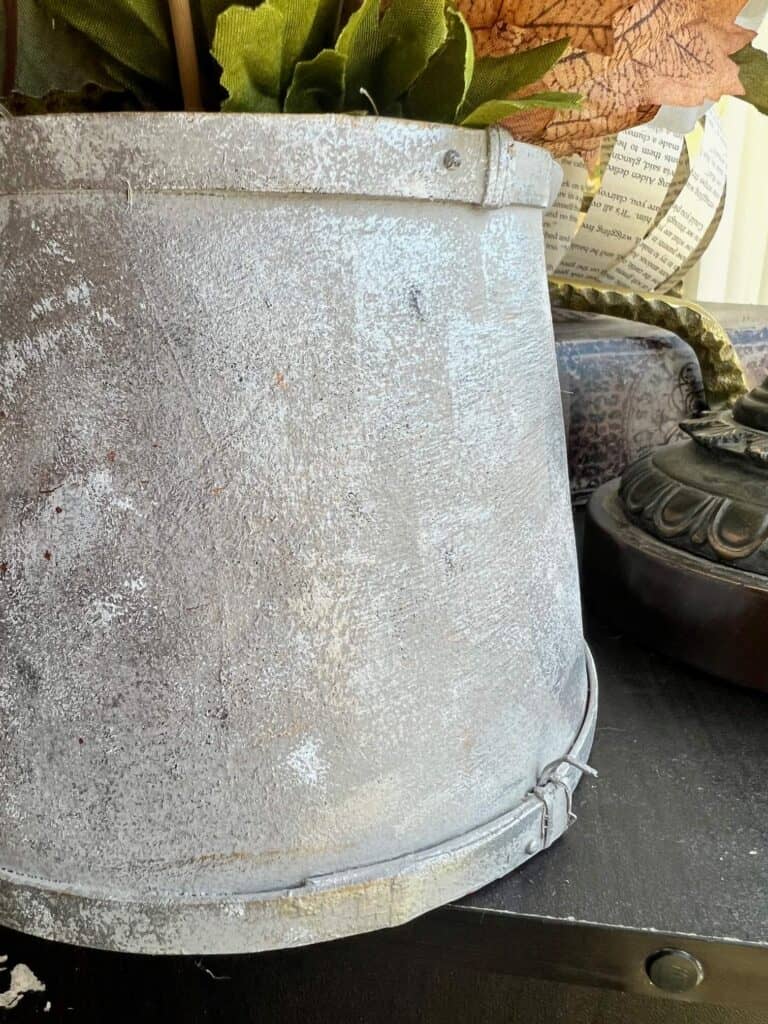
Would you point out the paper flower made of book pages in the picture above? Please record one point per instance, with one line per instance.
(658, 203)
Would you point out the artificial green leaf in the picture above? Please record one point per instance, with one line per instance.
(753, 74)
(209, 11)
(308, 27)
(412, 33)
(498, 77)
(134, 33)
(249, 47)
(385, 55)
(151, 95)
(496, 110)
(51, 56)
(358, 43)
(259, 48)
(318, 85)
(91, 99)
(439, 92)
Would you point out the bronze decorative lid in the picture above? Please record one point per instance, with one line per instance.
(709, 496)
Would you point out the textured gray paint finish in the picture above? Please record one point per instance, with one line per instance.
(289, 618)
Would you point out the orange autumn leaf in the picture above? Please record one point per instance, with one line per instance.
(663, 52)
(505, 26)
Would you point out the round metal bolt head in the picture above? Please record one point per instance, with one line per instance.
(532, 846)
(674, 970)
(452, 159)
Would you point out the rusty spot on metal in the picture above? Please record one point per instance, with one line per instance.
(111, 456)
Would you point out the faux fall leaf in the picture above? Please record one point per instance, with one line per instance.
(654, 52)
(503, 25)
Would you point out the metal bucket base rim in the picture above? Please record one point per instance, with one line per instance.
(325, 907)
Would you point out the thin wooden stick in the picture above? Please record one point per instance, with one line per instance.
(186, 53)
(11, 46)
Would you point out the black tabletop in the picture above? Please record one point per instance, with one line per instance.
(673, 836)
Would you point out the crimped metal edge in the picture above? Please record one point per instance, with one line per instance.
(328, 154)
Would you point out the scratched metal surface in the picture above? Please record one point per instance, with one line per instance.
(288, 578)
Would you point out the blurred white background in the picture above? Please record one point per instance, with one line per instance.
(735, 266)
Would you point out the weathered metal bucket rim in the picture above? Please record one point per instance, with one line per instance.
(326, 907)
(209, 153)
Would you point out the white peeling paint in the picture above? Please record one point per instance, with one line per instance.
(79, 294)
(23, 980)
(107, 609)
(234, 910)
(23, 353)
(101, 486)
(305, 762)
(44, 305)
(105, 317)
(124, 504)
(110, 607)
(100, 483)
(54, 248)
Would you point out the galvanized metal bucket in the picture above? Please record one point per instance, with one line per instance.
(290, 631)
